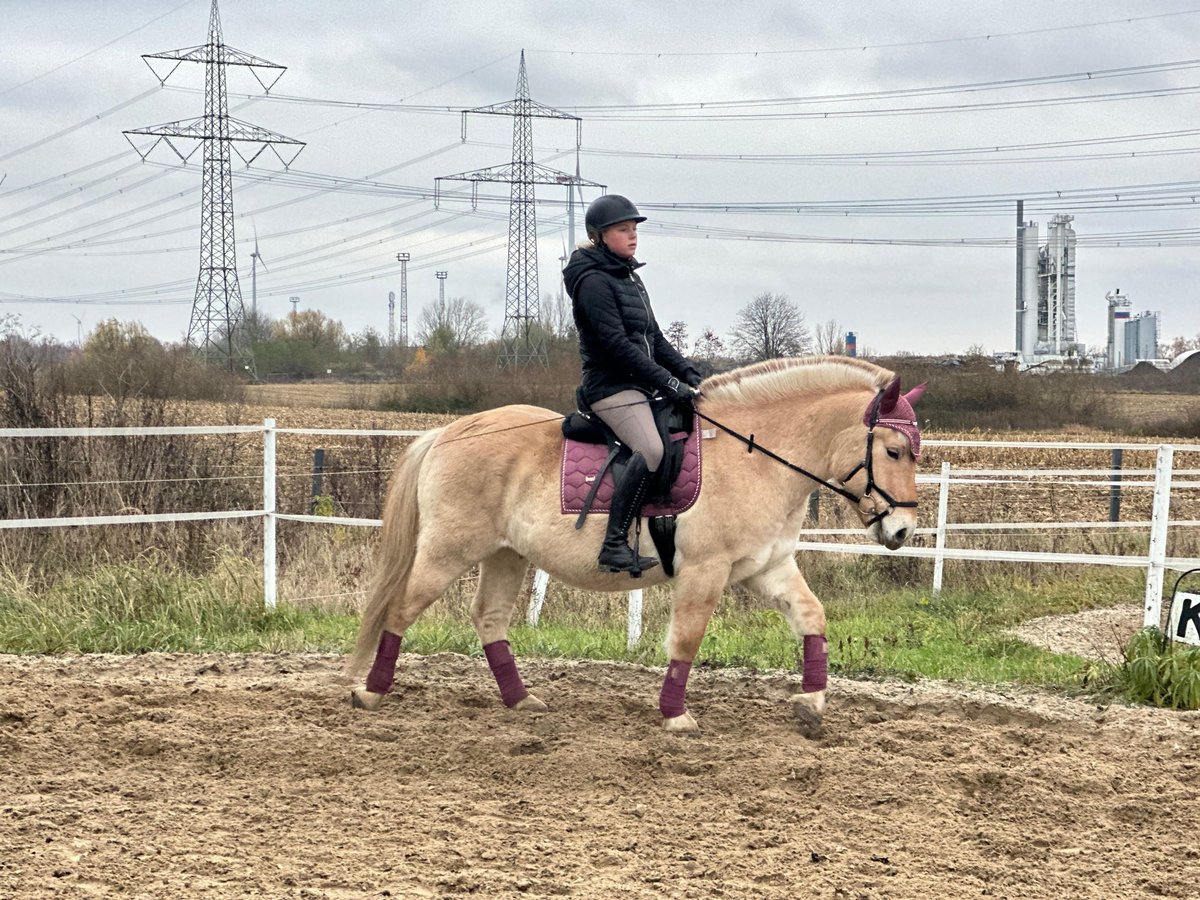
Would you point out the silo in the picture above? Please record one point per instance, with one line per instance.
(851, 344)
(1060, 285)
(1028, 240)
(1118, 316)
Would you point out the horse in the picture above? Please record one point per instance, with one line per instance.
(483, 491)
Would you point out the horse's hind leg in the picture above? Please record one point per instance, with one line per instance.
(500, 579)
(785, 588)
(429, 579)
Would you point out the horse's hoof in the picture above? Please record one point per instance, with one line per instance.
(361, 698)
(808, 709)
(683, 724)
(530, 704)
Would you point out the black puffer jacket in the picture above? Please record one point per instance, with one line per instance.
(620, 343)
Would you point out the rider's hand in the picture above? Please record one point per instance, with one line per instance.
(693, 379)
(679, 392)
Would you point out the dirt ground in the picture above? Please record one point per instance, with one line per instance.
(1093, 633)
(218, 776)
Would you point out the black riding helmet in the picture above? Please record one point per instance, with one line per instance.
(609, 210)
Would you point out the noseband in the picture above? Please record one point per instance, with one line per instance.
(872, 489)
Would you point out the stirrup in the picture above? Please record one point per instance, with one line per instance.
(632, 563)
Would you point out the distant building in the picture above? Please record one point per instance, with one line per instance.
(1141, 337)
(1118, 316)
(1045, 323)
(1131, 338)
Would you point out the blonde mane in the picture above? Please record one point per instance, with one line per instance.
(782, 379)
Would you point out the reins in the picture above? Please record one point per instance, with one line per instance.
(751, 446)
(867, 465)
(872, 487)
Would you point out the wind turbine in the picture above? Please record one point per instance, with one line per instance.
(255, 259)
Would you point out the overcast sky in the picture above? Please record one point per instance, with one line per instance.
(81, 217)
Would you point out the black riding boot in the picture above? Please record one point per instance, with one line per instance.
(616, 555)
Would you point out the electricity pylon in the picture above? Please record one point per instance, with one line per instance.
(521, 343)
(217, 309)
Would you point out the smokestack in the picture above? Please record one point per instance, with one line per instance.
(1017, 344)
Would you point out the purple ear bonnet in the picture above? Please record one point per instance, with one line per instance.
(895, 411)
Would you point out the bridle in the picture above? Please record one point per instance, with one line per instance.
(869, 492)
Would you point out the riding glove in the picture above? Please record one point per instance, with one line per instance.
(678, 391)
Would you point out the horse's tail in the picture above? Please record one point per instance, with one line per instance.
(396, 551)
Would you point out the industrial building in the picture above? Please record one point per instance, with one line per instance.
(1045, 321)
(1131, 338)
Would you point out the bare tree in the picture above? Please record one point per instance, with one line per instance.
(556, 317)
(1178, 345)
(831, 339)
(677, 335)
(448, 325)
(708, 347)
(770, 326)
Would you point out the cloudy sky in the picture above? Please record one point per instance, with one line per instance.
(863, 158)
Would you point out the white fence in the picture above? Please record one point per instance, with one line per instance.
(1162, 480)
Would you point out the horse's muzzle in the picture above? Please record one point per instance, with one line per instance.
(894, 529)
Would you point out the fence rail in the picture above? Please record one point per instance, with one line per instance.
(1159, 480)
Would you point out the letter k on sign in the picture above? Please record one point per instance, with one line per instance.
(1185, 618)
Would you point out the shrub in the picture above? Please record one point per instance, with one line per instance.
(975, 395)
(471, 379)
(122, 361)
(1159, 672)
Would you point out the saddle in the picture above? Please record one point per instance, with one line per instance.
(593, 458)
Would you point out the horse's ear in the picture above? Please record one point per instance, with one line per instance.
(916, 393)
(887, 403)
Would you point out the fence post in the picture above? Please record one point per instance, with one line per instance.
(1114, 490)
(633, 632)
(540, 579)
(269, 582)
(1159, 520)
(318, 471)
(939, 560)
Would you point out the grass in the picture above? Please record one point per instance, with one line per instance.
(141, 607)
(876, 629)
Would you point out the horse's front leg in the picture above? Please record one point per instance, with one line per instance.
(697, 591)
(784, 587)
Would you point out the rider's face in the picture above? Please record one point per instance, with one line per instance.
(621, 238)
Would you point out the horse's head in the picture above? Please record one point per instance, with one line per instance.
(885, 482)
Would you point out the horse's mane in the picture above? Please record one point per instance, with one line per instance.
(783, 379)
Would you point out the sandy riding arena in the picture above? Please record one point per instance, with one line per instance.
(229, 776)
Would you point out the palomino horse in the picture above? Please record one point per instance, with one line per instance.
(484, 490)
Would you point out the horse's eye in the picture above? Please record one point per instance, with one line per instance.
(893, 453)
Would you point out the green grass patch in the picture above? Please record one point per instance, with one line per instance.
(959, 635)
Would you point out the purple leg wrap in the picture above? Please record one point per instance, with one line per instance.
(379, 680)
(670, 699)
(816, 663)
(504, 667)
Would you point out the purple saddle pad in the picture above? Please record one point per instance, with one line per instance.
(581, 462)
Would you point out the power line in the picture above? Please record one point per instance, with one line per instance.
(1032, 103)
(61, 66)
(858, 48)
(90, 120)
(640, 111)
(899, 93)
(84, 168)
